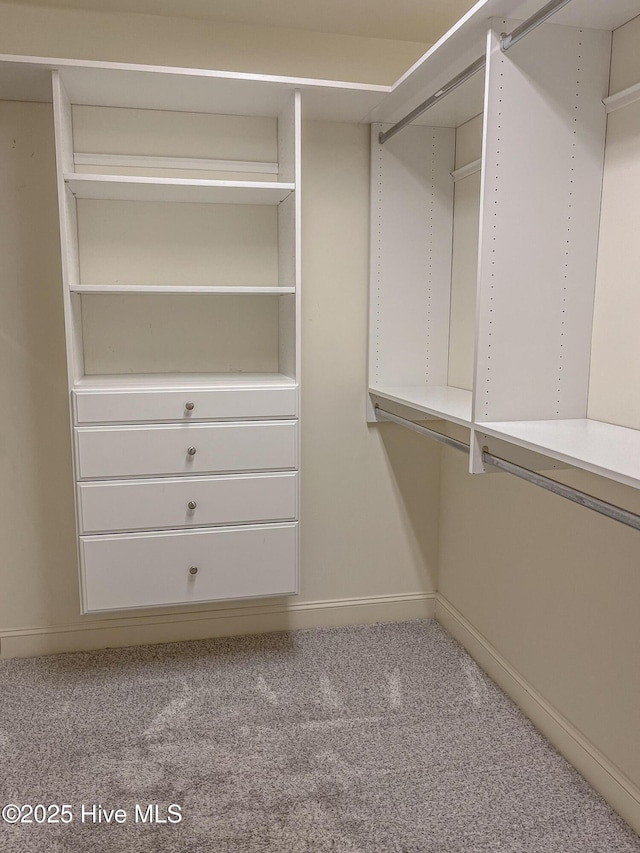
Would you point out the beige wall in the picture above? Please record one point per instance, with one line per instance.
(555, 588)
(369, 543)
(158, 40)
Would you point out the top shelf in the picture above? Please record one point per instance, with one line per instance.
(132, 188)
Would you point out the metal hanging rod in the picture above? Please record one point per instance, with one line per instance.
(507, 40)
(523, 29)
(438, 436)
(617, 513)
(460, 78)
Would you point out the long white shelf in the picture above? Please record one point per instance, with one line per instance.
(178, 288)
(134, 188)
(179, 381)
(606, 449)
(440, 401)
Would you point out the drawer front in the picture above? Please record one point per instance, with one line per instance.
(153, 504)
(147, 451)
(152, 570)
(230, 403)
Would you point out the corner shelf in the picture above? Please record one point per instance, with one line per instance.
(601, 448)
(439, 401)
(134, 188)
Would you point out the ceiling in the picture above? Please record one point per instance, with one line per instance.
(405, 20)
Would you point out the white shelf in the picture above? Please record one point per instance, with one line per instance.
(178, 288)
(133, 188)
(606, 449)
(180, 381)
(440, 401)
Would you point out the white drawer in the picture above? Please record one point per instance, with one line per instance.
(209, 404)
(153, 569)
(108, 506)
(145, 451)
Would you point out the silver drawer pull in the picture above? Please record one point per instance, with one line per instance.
(189, 406)
(193, 570)
(191, 451)
(192, 504)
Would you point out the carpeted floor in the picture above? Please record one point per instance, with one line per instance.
(371, 739)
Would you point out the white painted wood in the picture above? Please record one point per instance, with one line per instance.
(411, 233)
(129, 505)
(539, 223)
(466, 171)
(152, 569)
(179, 288)
(131, 188)
(450, 404)
(63, 133)
(464, 279)
(601, 448)
(181, 381)
(137, 161)
(147, 451)
(137, 404)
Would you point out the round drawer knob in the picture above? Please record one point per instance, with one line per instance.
(192, 504)
(191, 451)
(189, 406)
(193, 570)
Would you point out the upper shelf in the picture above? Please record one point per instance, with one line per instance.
(130, 188)
(118, 84)
(606, 449)
(440, 401)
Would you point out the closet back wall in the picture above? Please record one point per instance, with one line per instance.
(369, 501)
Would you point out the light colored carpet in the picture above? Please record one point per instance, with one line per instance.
(370, 739)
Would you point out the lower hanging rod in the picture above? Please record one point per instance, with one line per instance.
(523, 29)
(617, 513)
(460, 78)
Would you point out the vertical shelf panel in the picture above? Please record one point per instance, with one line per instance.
(542, 175)
(411, 232)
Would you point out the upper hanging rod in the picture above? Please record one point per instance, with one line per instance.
(506, 41)
(382, 414)
(460, 78)
(617, 513)
(523, 29)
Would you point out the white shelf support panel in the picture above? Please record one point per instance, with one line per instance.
(539, 224)
(133, 188)
(411, 234)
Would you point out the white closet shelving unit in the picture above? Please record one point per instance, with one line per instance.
(545, 102)
(185, 393)
(179, 200)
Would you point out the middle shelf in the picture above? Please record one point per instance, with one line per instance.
(137, 188)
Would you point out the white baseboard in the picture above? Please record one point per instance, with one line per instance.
(616, 788)
(227, 621)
